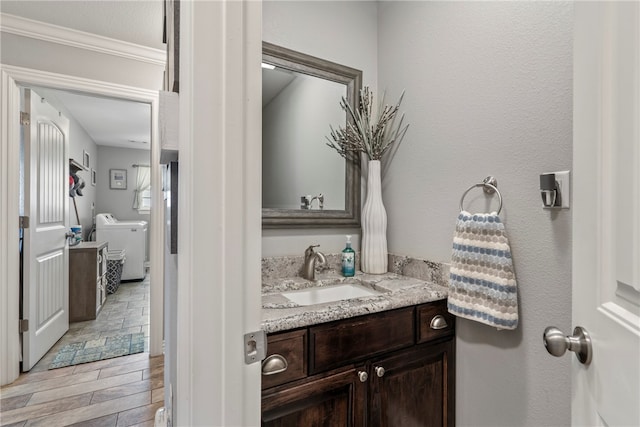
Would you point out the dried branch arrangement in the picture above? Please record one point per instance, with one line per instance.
(365, 133)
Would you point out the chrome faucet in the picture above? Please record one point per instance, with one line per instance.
(310, 258)
(320, 199)
(306, 202)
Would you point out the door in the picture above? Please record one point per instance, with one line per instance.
(333, 400)
(414, 388)
(45, 290)
(606, 212)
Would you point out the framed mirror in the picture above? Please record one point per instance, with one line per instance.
(305, 183)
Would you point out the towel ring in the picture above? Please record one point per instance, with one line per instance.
(490, 186)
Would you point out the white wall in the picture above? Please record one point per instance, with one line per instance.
(119, 202)
(338, 31)
(489, 92)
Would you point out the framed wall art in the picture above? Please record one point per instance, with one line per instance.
(118, 179)
(86, 159)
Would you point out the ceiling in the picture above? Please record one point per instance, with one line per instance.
(273, 82)
(107, 121)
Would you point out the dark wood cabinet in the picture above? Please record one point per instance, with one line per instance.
(333, 344)
(87, 280)
(388, 369)
(413, 388)
(332, 400)
(291, 346)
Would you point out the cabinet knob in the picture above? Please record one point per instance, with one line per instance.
(274, 364)
(379, 371)
(363, 376)
(438, 322)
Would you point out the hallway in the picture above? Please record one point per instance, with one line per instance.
(124, 391)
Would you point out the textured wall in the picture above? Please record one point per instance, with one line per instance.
(339, 31)
(137, 22)
(489, 92)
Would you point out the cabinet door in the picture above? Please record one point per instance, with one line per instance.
(333, 400)
(416, 388)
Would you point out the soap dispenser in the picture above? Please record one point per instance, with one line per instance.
(348, 260)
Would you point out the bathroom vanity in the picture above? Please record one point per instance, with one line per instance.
(380, 360)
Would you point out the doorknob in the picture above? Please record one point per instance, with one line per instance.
(557, 343)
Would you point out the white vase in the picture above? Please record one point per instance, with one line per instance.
(374, 258)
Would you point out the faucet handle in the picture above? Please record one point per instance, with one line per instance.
(310, 250)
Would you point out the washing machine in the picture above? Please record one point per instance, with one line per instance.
(128, 235)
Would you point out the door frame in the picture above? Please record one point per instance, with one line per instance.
(220, 221)
(10, 78)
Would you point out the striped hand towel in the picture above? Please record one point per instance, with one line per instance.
(482, 283)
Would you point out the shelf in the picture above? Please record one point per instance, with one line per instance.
(75, 166)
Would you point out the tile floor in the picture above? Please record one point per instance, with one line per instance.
(125, 312)
(125, 391)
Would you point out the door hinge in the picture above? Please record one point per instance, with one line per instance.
(25, 118)
(255, 347)
(24, 222)
(23, 325)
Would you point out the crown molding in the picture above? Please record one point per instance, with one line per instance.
(38, 30)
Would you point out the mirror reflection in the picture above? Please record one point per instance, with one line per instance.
(297, 110)
(304, 182)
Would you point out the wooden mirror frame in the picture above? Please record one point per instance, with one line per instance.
(300, 218)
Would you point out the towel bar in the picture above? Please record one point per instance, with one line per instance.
(490, 186)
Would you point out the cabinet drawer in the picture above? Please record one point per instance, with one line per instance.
(290, 346)
(434, 321)
(346, 341)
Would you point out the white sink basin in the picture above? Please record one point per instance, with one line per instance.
(324, 294)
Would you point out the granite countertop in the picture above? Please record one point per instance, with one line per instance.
(281, 314)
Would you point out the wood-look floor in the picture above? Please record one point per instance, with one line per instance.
(125, 391)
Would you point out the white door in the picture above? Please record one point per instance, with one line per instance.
(606, 212)
(46, 203)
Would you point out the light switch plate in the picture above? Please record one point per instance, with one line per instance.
(563, 180)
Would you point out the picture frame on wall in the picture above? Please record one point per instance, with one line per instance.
(93, 177)
(86, 159)
(118, 179)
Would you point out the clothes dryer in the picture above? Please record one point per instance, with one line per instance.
(128, 235)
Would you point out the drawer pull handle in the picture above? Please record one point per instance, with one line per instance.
(438, 322)
(274, 364)
(380, 371)
(363, 376)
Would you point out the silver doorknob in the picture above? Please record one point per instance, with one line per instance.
(379, 371)
(363, 376)
(557, 343)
